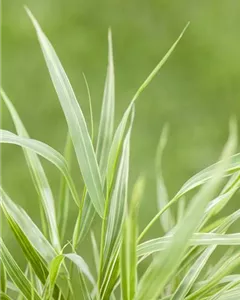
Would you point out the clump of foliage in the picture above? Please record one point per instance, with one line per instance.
(178, 262)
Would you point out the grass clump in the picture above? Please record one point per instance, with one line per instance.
(179, 265)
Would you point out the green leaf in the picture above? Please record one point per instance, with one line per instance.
(4, 296)
(116, 208)
(106, 125)
(160, 244)
(16, 274)
(225, 269)
(54, 270)
(76, 123)
(119, 133)
(38, 176)
(81, 265)
(192, 274)
(195, 181)
(3, 277)
(166, 218)
(128, 257)
(30, 252)
(90, 106)
(45, 151)
(95, 251)
(28, 227)
(64, 191)
(159, 272)
(232, 294)
(35, 246)
(104, 139)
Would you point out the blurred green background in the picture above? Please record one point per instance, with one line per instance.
(196, 92)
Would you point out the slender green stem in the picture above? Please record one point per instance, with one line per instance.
(103, 233)
(150, 224)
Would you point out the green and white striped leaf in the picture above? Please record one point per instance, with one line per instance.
(116, 209)
(16, 274)
(128, 257)
(81, 265)
(166, 218)
(28, 227)
(104, 139)
(54, 270)
(45, 151)
(197, 180)
(160, 244)
(3, 277)
(38, 175)
(229, 265)
(75, 119)
(159, 272)
(119, 133)
(64, 191)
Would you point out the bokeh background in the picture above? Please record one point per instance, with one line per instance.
(196, 92)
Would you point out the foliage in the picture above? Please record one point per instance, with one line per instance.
(178, 267)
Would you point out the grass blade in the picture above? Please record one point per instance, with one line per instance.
(16, 274)
(4, 296)
(160, 244)
(33, 234)
(197, 180)
(76, 123)
(31, 254)
(128, 257)
(105, 133)
(159, 272)
(106, 124)
(3, 277)
(64, 192)
(119, 133)
(95, 251)
(224, 270)
(45, 151)
(38, 176)
(116, 212)
(81, 265)
(54, 270)
(166, 218)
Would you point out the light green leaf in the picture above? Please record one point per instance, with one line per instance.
(128, 257)
(159, 272)
(4, 296)
(54, 270)
(81, 265)
(30, 252)
(38, 175)
(35, 246)
(106, 124)
(160, 244)
(76, 123)
(166, 218)
(3, 277)
(95, 251)
(225, 269)
(45, 151)
(16, 274)
(104, 139)
(64, 192)
(119, 133)
(196, 181)
(115, 217)
(192, 274)
(232, 294)
(32, 232)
